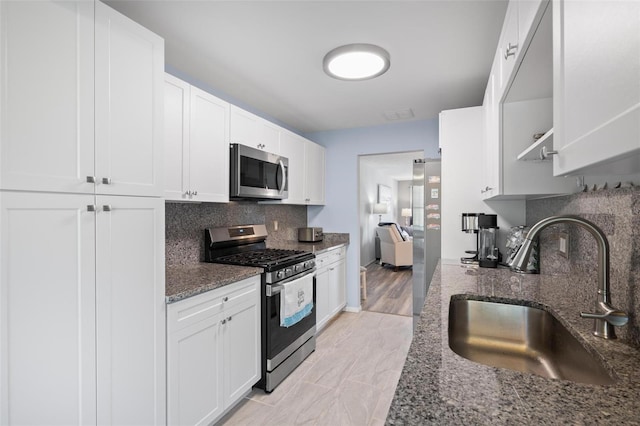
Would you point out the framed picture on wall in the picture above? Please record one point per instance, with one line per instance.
(384, 194)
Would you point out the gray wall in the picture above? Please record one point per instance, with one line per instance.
(185, 224)
(617, 213)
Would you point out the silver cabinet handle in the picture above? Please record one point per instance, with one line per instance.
(106, 208)
(510, 50)
(229, 319)
(106, 181)
(225, 299)
(224, 321)
(91, 208)
(91, 179)
(486, 189)
(194, 193)
(544, 154)
(187, 193)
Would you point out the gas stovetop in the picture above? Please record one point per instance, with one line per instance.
(264, 258)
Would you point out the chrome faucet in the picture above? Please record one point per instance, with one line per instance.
(605, 317)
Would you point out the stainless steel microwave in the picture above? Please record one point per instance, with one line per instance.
(257, 174)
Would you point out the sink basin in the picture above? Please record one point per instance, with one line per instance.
(521, 338)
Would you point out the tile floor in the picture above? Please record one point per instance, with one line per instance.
(349, 380)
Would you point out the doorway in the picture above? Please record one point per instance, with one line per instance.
(385, 180)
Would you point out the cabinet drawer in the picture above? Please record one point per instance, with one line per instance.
(329, 257)
(189, 311)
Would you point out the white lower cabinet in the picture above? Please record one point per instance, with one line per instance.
(81, 308)
(331, 285)
(213, 352)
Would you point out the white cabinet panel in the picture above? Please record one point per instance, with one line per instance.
(46, 95)
(213, 351)
(130, 310)
(596, 87)
(208, 147)
(47, 309)
(195, 373)
(129, 108)
(315, 173)
(331, 290)
(196, 130)
(176, 138)
(292, 146)
(241, 350)
(249, 129)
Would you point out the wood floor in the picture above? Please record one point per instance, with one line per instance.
(388, 291)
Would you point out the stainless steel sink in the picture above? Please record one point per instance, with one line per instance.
(521, 338)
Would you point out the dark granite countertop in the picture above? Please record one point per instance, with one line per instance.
(330, 241)
(438, 386)
(182, 281)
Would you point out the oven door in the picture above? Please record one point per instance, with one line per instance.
(257, 174)
(280, 341)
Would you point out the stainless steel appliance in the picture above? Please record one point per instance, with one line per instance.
(426, 198)
(470, 226)
(257, 174)
(283, 348)
(310, 235)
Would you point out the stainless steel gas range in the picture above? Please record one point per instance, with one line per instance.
(283, 348)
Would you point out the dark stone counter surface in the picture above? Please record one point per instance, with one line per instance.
(439, 387)
(184, 281)
(330, 241)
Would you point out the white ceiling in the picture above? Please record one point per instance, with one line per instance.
(268, 54)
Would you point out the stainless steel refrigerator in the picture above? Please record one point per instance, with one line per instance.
(426, 196)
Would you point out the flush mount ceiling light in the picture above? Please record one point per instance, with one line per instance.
(356, 62)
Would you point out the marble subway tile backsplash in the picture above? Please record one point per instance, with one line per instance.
(185, 224)
(617, 213)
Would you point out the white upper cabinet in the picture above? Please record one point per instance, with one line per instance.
(129, 106)
(196, 130)
(67, 106)
(306, 169)
(520, 107)
(509, 48)
(47, 95)
(292, 146)
(596, 87)
(249, 129)
(314, 157)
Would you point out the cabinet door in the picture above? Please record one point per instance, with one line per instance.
(47, 309)
(208, 147)
(337, 287)
(509, 48)
(293, 147)
(46, 96)
(241, 360)
(195, 373)
(130, 310)
(596, 87)
(176, 138)
(492, 156)
(315, 173)
(323, 310)
(129, 102)
(243, 127)
(269, 136)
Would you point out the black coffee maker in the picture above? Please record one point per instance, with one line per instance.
(488, 253)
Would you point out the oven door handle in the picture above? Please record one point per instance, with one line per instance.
(273, 289)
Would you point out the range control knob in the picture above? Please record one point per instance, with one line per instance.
(280, 274)
(296, 268)
(309, 264)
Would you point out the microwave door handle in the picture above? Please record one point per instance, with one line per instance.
(284, 177)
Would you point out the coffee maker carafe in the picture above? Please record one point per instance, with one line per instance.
(488, 253)
(470, 226)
